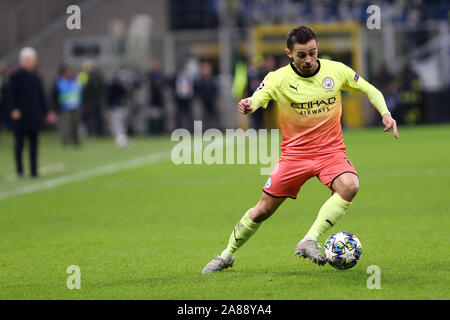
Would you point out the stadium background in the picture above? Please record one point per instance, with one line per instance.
(225, 33)
(408, 59)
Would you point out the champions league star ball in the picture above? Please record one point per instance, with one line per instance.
(343, 250)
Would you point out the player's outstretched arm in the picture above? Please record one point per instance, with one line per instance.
(245, 106)
(390, 124)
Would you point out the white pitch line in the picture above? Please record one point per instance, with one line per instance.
(84, 175)
(100, 171)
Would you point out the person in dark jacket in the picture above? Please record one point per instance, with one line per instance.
(153, 116)
(94, 94)
(28, 105)
(183, 90)
(3, 98)
(157, 81)
(206, 89)
(120, 93)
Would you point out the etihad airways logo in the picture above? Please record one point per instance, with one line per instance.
(313, 104)
(313, 107)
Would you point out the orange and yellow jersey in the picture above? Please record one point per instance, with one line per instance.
(310, 107)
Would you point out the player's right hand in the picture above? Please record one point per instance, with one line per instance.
(390, 124)
(245, 106)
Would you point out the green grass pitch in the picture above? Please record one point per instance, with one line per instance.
(147, 231)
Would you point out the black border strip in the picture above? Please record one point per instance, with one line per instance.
(277, 196)
(220, 309)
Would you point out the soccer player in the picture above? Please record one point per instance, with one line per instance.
(307, 93)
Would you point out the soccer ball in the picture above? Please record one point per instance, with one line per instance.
(343, 250)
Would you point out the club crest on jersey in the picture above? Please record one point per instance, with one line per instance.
(268, 183)
(328, 83)
(356, 78)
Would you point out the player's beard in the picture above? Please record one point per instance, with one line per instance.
(302, 70)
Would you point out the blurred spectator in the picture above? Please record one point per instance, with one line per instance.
(409, 96)
(270, 64)
(390, 93)
(120, 96)
(157, 82)
(291, 11)
(385, 82)
(239, 88)
(256, 76)
(27, 104)
(93, 84)
(156, 109)
(3, 98)
(383, 77)
(253, 82)
(183, 90)
(67, 98)
(207, 91)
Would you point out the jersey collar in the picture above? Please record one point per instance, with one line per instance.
(304, 75)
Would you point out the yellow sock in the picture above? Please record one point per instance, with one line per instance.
(332, 210)
(244, 229)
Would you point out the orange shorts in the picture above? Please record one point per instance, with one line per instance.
(290, 174)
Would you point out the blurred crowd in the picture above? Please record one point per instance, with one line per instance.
(205, 14)
(248, 77)
(402, 90)
(86, 103)
(403, 93)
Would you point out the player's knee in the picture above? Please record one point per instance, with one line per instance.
(351, 187)
(347, 187)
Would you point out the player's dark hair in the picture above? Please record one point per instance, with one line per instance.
(301, 34)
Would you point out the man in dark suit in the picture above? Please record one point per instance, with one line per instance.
(28, 105)
(3, 96)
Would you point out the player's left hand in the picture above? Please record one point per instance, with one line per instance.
(390, 124)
